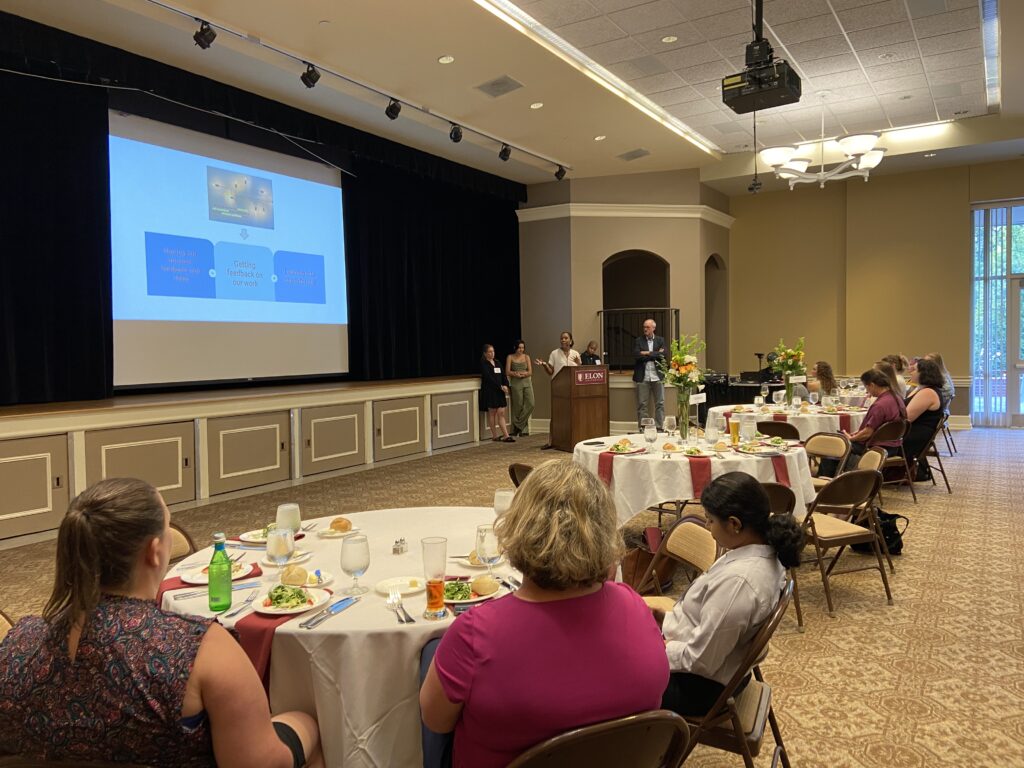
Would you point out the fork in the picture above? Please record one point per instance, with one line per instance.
(237, 557)
(392, 604)
(399, 607)
(243, 606)
(309, 527)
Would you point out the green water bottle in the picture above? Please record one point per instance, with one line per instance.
(220, 576)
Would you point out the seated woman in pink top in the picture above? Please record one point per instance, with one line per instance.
(568, 649)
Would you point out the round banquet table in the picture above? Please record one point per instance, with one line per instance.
(359, 670)
(641, 480)
(815, 420)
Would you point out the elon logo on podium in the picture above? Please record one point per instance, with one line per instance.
(596, 376)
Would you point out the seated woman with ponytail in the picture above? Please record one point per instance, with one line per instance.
(105, 675)
(709, 629)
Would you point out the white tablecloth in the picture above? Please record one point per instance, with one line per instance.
(359, 670)
(806, 423)
(639, 481)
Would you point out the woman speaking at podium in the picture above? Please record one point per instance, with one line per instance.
(559, 359)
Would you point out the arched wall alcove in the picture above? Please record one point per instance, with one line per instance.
(716, 313)
(632, 280)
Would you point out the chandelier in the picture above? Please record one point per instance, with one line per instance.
(861, 150)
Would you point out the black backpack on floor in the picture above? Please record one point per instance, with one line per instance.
(891, 532)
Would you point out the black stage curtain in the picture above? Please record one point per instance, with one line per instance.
(433, 275)
(55, 338)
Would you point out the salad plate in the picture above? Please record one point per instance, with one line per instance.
(459, 588)
(202, 575)
(286, 601)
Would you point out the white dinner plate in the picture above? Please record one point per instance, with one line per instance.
(320, 596)
(625, 453)
(200, 575)
(407, 585)
(465, 562)
(760, 450)
(703, 452)
(326, 578)
(330, 533)
(478, 599)
(298, 556)
(253, 537)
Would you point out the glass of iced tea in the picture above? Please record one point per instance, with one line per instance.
(734, 430)
(435, 555)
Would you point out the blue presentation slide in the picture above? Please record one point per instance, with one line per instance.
(201, 239)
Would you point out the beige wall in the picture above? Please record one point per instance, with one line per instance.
(664, 187)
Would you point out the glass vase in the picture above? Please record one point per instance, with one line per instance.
(683, 404)
(789, 389)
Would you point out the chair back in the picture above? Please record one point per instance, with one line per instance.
(929, 447)
(518, 473)
(182, 544)
(781, 499)
(827, 445)
(847, 493)
(5, 625)
(891, 431)
(873, 458)
(657, 739)
(692, 543)
(778, 429)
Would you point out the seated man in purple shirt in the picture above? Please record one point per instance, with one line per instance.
(887, 407)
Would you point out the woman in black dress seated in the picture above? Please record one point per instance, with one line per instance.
(925, 409)
(493, 392)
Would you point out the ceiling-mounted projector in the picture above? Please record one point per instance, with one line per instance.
(766, 82)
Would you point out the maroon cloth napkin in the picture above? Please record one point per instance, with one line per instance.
(700, 473)
(779, 417)
(175, 582)
(604, 466)
(728, 415)
(256, 636)
(781, 470)
(844, 422)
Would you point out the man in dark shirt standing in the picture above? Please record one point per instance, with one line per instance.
(648, 351)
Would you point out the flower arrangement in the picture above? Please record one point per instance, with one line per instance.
(683, 372)
(789, 361)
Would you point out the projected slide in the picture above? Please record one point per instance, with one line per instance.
(196, 238)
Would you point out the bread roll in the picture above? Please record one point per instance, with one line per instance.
(341, 524)
(474, 558)
(484, 585)
(294, 575)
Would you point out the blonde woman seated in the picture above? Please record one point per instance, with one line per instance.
(106, 675)
(567, 649)
(709, 630)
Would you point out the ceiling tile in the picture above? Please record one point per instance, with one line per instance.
(901, 84)
(958, 75)
(968, 57)
(691, 56)
(734, 48)
(954, 42)
(830, 65)
(838, 81)
(557, 13)
(706, 118)
(656, 83)
(919, 8)
(711, 89)
(675, 96)
(583, 34)
(845, 5)
(644, 18)
(946, 91)
(685, 34)
(807, 29)
(615, 51)
(783, 11)
(888, 54)
(973, 105)
(728, 127)
(714, 70)
(690, 109)
(819, 49)
(637, 68)
(944, 23)
(698, 9)
(875, 15)
(899, 69)
(861, 91)
(724, 24)
(877, 37)
(610, 6)
(865, 120)
(854, 105)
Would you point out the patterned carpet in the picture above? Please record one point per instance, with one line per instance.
(935, 680)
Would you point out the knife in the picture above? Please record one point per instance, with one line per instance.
(333, 610)
(198, 592)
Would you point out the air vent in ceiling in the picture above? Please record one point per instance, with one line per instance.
(634, 154)
(500, 86)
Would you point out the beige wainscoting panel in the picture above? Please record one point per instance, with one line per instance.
(34, 479)
(160, 454)
(332, 438)
(246, 451)
(451, 419)
(397, 428)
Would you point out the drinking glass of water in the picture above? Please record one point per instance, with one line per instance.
(650, 435)
(812, 397)
(288, 516)
(764, 390)
(355, 560)
(487, 548)
(502, 500)
(280, 545)
(670, 424)
(779, 396)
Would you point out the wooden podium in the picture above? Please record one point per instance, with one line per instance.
(579, 405)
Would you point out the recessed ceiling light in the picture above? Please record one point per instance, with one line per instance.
(930, 154)
(446, 59)
(537, 105)
(906, 97)
(886, 56)
(600, 138)
(669, 39)
(324, 22)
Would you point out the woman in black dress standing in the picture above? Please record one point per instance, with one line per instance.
(493, 390)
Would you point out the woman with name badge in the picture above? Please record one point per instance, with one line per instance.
(559, 359)
(493, 393)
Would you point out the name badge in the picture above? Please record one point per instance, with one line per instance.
(797, 379)
(497, 370)
(700, 397)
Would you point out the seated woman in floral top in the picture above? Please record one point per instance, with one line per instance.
(104, 674)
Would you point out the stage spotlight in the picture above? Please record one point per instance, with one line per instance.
(310, 77)
(504, 153)
(560, 173)
(393, 108)
(205, 35)
(455, 134)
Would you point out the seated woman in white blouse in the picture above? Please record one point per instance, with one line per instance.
(710, 628)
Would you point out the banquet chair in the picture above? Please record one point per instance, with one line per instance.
(873, 458)
(736, 721)
(931, 451)
(518, 473)
(826, 445)
(781, 429)
(830, 523)
(947, 433)
(182, 544)
(5, 625)
(656, 739)
(894, 431)
(782, 501)
(687, 542)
